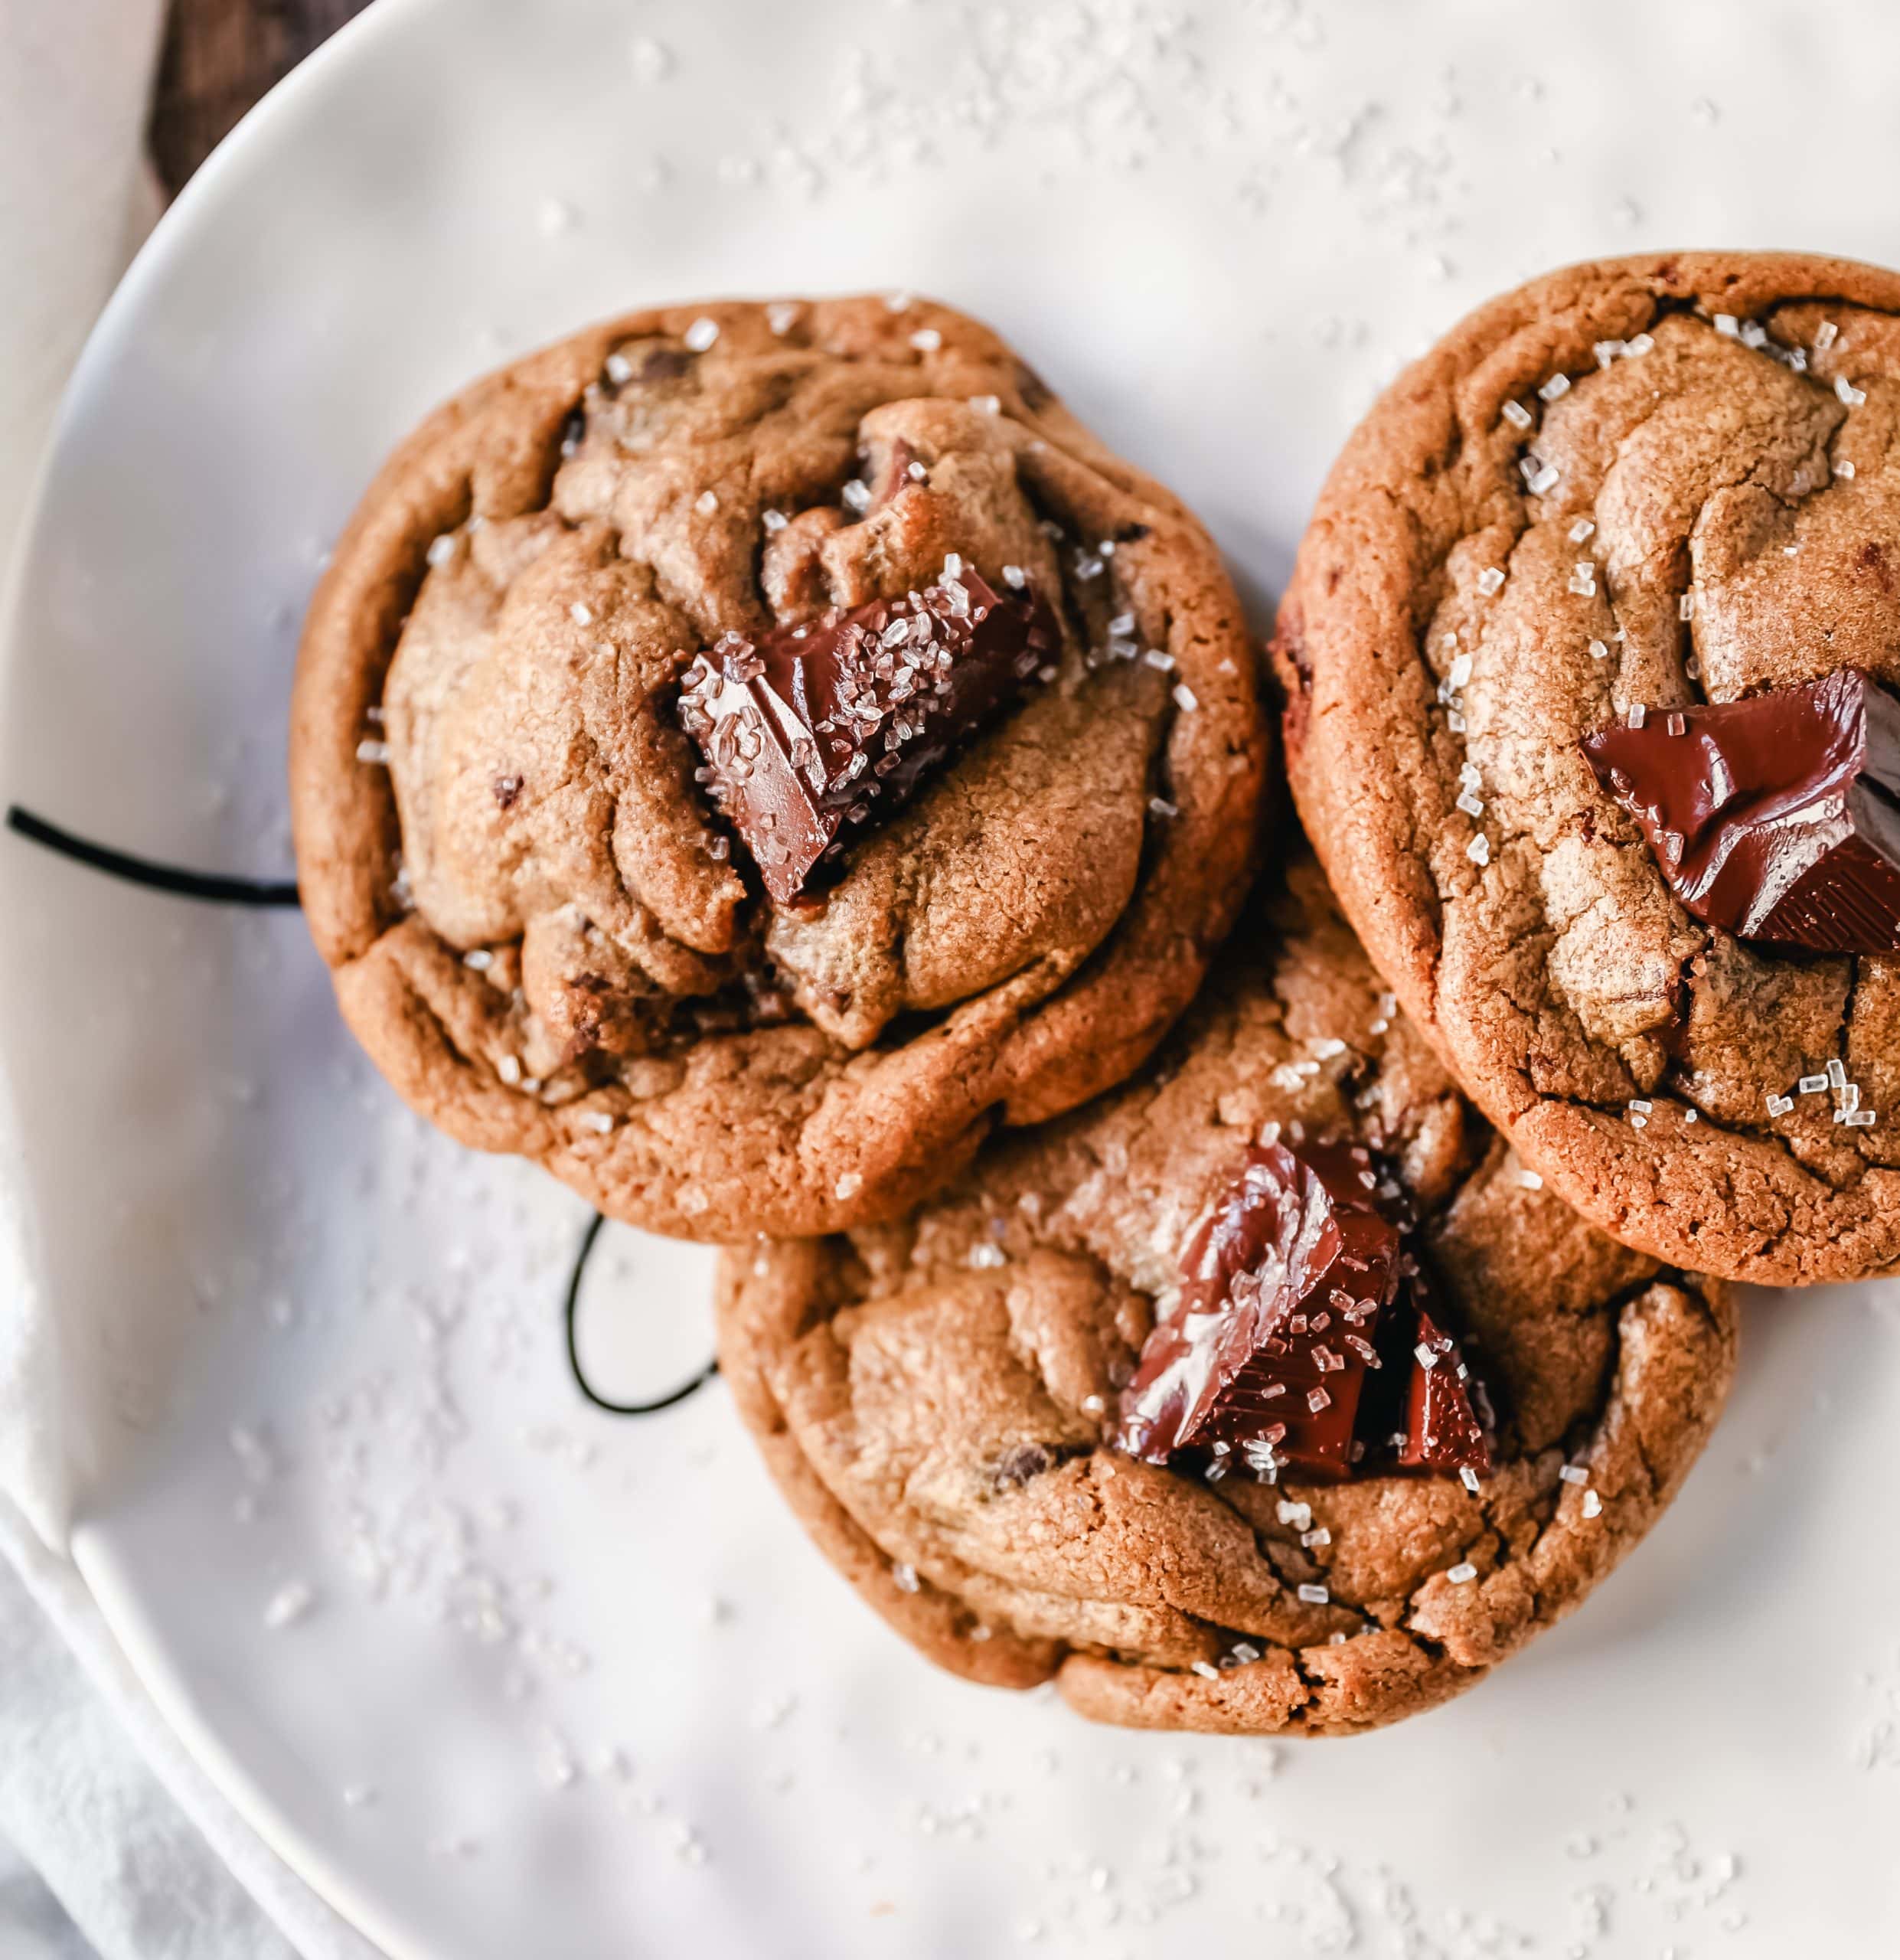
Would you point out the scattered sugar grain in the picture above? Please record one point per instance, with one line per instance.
(290, 1603)
(652, 61)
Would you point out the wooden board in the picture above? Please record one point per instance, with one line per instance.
(219, 57)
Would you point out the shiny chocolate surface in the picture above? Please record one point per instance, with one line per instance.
(1776, 819)
(1442, 1430)
(1295, 1290)
(809, 733)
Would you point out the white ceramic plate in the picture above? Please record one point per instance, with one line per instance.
(546, 1683)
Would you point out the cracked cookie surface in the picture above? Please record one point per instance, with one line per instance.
(935, 1397)
(542, 925)
(1647, 483)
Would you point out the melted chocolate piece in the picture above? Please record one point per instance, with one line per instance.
(1777, 818)
(1267, 1347)
(809, 729)
(1443, 1430)
(1291, 1299)
(1430, 1416)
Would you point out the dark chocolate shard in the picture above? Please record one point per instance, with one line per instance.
(811, 733)
(1425, 1411)
(1266, 1350)
(1777, 818)
(1298, 1293)
(1443, 1430)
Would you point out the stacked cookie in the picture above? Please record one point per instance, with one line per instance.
(769, 764)
(987, 1416)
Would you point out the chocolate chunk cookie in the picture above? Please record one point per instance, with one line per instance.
(1587, 661)
(743, 752)
(1163, 1400)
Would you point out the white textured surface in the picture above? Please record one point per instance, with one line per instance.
(33, 1924)
(112, 1841)
(540, 1683)
(73, 82)
(117, 1820)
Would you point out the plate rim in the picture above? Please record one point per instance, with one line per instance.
(84, 1541)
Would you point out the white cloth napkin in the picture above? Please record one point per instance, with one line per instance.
(148, 1861)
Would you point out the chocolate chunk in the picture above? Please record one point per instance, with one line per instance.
(896, 474)
(810, 730)
(1777, 818)
(1443, 1429)
(1419, 1414)
(1019, 1465)
(1267, 1348)
(1295, 1290)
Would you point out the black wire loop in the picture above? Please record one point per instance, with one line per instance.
(212, 886)
(670, 1399)
(215, 888)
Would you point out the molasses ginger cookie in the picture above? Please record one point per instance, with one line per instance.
(742, 753)
(1589, 662)
(1267, 1394)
